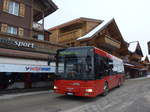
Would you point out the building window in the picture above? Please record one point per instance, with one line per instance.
(13, 8)
(40, 37)
(12, 30)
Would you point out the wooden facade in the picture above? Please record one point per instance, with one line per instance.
(146, 63)
(68, 33)
(134, 66)
(20, 29)
(25, 44)
(108, 38)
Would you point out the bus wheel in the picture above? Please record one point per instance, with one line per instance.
(106, 89)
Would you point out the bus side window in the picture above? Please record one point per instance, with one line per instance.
(110, 66)
(106, 66)
(99, 66)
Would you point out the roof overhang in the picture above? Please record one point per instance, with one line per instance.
(96, 30)
(50, 7)
(75, 21)
(100, 28)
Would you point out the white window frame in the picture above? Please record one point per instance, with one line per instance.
(13, 8)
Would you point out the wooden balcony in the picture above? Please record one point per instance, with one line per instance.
(109, 42)
(69, 36)
(135, 57)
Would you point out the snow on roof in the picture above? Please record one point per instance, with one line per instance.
(143, 58)
(96, 30)
(132, 46)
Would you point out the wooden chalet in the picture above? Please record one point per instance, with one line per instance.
(134, 66)
(146, 63)
(91, 32)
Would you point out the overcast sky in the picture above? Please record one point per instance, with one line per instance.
(132, 16)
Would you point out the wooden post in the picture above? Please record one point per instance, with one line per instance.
(32, 16)
(43, 23)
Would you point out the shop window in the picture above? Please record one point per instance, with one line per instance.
(13, 8)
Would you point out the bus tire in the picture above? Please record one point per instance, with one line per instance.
(106, 89)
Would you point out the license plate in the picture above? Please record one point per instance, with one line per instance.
(70, 94)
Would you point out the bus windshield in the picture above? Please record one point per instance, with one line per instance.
(75, 64)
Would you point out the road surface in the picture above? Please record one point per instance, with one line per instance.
(133, 96)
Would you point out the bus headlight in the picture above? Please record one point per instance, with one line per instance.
(89, 90)
(55, 87)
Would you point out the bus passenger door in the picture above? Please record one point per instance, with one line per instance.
(100, 81)
(111, 79)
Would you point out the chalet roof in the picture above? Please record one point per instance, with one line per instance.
(146, 59)
(96, 30)
(50, 7)
(99, 28)
(78, 20)
(134, 47)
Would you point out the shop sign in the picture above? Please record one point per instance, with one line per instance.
(26, 68)
(29, 68)
(17, 43)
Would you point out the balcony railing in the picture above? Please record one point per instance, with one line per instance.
(68, 36)
(109, 42)
(112, 42)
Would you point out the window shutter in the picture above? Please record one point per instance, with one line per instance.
(6, 5)
(22, 10)
(4, 28)
(21, 32)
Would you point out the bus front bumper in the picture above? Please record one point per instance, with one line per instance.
(87, 92)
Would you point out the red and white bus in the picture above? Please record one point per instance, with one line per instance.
(87, 71)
